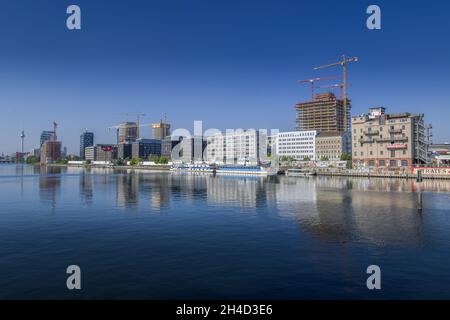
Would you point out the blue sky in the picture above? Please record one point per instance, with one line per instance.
(230, 63)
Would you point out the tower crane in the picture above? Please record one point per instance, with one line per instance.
(345, 60)
(138, 118)
(54, 138)
(313, 81)
(339, 86)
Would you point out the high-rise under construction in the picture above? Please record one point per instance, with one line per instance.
(160, 130)
(324, 113)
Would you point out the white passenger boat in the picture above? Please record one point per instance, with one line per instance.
(305, 172)
(245, 170)
(200, 168)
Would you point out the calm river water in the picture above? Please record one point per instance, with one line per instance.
(183, 236)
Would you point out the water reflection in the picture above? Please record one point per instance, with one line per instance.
(86, 188)
(245, 192)
(49, 184)
(380, 211)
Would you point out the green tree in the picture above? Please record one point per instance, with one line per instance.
(163, 160)
(154, 158)
(32, 159)
(346, 157)
(135, 161)
(61, 161)
(324, 158)
(306, 158)
(119, 162)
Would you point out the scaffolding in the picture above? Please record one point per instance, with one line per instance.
(324, 113)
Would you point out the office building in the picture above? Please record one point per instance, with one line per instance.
(299, 145)
(388, 140)
(124, 151)
(101, 152)
(86, 140)
(167, 145)
(332, 145)
(324, 113)
(46, 136)
(143, 148)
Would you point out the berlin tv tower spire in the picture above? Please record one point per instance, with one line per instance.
(22, 138)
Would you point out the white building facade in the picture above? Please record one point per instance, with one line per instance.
(299, 145)
(243, 147)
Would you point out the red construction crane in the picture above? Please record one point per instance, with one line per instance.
(313, 81)
(342, 63)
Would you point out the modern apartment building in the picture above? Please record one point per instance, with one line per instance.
(324, 113)
(86, 140)
(300, 145)
(237, 147)
(388, 140)
(331, 145)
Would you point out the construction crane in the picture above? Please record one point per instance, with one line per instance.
(345, 60)
(339, 86)
(138, 118)
(117, 127)
(313, 81)
(54, 138)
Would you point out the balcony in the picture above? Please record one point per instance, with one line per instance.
(372, 133)
(398, 146)
(362, 141)
(392, 140)
(394, 131)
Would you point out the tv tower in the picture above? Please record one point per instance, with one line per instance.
(22, 138)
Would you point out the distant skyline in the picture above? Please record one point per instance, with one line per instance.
(231, 64)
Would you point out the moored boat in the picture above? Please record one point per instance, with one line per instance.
(300, 172)
(245, 170)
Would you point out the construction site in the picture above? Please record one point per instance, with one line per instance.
(326, 112)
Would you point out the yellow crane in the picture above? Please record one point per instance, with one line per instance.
(345, 60)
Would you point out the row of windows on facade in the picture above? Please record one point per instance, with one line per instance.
(381, 153)
(381, 144)
(297, 139)
(293, 144)
(328, 142)
(392, 163)
(295, 150)
(369, 129)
